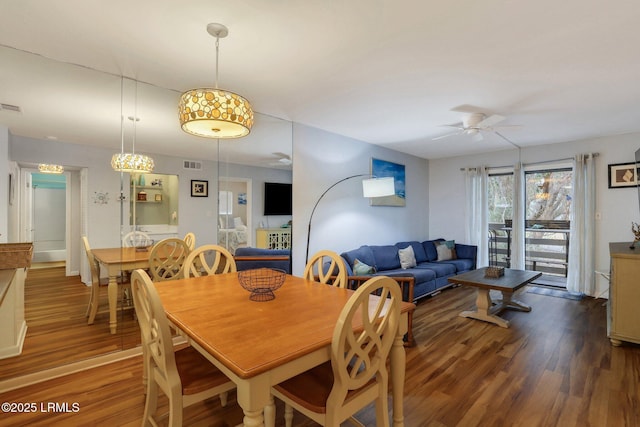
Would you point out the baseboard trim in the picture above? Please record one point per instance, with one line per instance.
(71, 368)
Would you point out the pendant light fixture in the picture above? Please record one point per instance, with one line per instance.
(48, 168)
(131, 162)
(212, 112)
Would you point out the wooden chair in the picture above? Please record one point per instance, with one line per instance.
(136, 238)
(335, 273)
(190, 240)
(219, 261)
(357, 373)
(167, 258)
(94, 297)
(184, 376)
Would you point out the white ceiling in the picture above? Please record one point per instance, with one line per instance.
(388, 72)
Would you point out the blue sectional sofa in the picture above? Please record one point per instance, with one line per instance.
(430, 273)
(248, 258)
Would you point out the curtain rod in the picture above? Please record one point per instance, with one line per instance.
(532, 164)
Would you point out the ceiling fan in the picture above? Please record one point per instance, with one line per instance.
(476, 123)
(281, 159)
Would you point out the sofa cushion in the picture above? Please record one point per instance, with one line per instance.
(420, 274)
(442, 269)
(461, 264)
(407, 257)
(363, 253)
(446, 249)
(386, 257)
(418, 250)
(361, 269)
(430, 250)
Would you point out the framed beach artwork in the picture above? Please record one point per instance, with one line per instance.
(383, 168)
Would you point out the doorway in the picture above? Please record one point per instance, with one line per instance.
(234, 213)
(50, 212)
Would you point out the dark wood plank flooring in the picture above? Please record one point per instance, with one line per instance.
(553, 367)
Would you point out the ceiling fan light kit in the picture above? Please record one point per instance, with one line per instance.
(212, 112)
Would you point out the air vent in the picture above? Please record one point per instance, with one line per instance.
(10, 107)
(192, 164)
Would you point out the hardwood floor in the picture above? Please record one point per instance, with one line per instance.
(55, 307)
(553, 367)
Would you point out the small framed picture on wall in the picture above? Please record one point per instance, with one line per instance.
(623, 175)
(199, 188)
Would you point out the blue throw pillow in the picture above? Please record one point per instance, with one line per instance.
(360, 268)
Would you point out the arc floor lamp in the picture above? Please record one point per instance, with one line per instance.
(371, 187)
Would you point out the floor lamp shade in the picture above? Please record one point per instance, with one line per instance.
(378, 187)
(371, 187)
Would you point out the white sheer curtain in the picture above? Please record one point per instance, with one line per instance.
(477, 227)
(581, 276)
(517, 231)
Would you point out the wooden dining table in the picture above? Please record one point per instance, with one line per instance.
(260, 344)
(115, 261)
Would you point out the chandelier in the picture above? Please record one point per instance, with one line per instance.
(212, 112)
(48, 168)
(132, 163)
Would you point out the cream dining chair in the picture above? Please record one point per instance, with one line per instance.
(184, 376)
(208, 259)
(167, 258)
(190, 240)
(326, 266)
(136, 239)
(357, 373)
(94, 297)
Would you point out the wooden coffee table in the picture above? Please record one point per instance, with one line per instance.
(486, 309)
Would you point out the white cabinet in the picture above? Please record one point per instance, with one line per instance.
(14, 327)
(273, 238)
(623, 307)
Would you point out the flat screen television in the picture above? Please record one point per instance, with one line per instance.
(277, 198)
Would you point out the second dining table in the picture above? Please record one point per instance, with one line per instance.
(115, 261)
(260, 344)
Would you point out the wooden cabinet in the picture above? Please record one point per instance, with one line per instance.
(623, 307)
(273, 238)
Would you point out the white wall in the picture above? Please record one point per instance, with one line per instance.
(4, 184)
(196, 214)
(618, 207)
(344, 220)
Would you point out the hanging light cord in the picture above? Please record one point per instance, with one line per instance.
(217, 53)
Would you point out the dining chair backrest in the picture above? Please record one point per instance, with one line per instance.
(357, 375)
(184, 375)
(326, 266)
(359, 355)
(136, 239)
(209, 259)
(167, 258)
(94, 267)
(154, 328)
(190, 240)
(93, 264)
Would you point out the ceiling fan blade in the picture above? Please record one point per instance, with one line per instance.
(490, 121)
(446, 135)
(509, 127)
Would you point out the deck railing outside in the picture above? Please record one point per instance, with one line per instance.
(546, 246)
